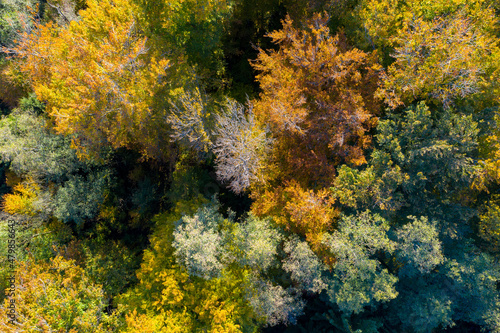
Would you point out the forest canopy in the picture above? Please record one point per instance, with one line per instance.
(249, 166)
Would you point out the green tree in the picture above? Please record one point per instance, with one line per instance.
(425, 162)
(358, 279)
(57, 182)
(194, 28)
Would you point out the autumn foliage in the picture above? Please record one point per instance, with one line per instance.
(98, 77)
(54, 296)
(244, 166)
(318, 99)
(304, 212)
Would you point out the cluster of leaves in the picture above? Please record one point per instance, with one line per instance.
(55, 296)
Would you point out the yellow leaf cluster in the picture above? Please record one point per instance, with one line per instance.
(98, 77)
(55, 296)
(167, 299)
(21, 201)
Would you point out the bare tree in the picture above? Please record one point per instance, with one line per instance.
(240, 147)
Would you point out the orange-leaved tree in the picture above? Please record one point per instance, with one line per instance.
(304, 212)
(317, 97)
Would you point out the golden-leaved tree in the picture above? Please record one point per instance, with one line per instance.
(442, 50)
(101, 78)
(55, 296)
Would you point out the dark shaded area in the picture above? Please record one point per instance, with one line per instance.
(246, 34)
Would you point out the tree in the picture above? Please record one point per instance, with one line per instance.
(99, 78)
(427, 163)
(255, 243)
(317, 97)
(22, 200)
(304, 212)
(32, 150)
(419, 247)
(384, 19)
(207, 272)
(489, 225)
(169, 299)
(198, 244)
(274, 303)
(305, 267)
(462, 288)
(442, 50)
(446, 59)
(190, 119)
(241, 147)
(14, 17)
(56, 182)
(374, 187)
(437, 154)
(194, 28)
(55, 296)
(358, 279)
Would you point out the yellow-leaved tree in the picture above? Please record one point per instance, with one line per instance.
(101, 79)
(443, 50)
(169, 299)
(54, 296)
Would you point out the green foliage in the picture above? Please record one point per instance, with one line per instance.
(435, 149)
(461, 289)
(31, 149)
(418, 247)
(424, 162)
(79, 198)
(31, 104)
(255, 243)
(489, 225)
(69, 189)
(274, 303)
(194, 28)
(190, 179)
(110, 264)
(198, 244)
(304, 266)
(372, 188)
(358, 279)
